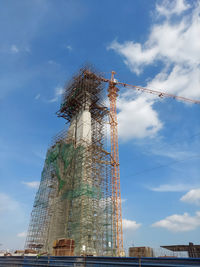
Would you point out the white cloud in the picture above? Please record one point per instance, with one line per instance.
(179, 223)
(13, 217)
(175, 44)
(168, 8)
(58, 92)
(14, 49)
(182, 80)
(171, 188)
(68, 47)
(53, 62)
(130, 225)
(193, 196)
(9, 209)
(167, 42)
(22, 234)
(7, 204)
(33, 184)
(135, 56)
(37, 97)
(137, 119)
(173, 152)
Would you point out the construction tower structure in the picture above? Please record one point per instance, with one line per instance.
(74, 199)
(116, 191)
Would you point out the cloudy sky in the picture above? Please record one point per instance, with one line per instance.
(155, 44)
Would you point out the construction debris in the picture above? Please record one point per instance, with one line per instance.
(63, 247)
(140, 252)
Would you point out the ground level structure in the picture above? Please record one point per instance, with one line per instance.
(193, 250)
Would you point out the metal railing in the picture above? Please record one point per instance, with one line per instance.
(27, 261)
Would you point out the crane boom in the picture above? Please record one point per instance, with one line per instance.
(151, 91)
(159, 93)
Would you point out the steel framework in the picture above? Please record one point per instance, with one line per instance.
(74, 200)
(116, 192)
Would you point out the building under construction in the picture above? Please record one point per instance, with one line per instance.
(74, 199)
(192, 250)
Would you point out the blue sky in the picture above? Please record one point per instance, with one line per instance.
(148, 43)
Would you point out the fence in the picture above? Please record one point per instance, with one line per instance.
(27, 261)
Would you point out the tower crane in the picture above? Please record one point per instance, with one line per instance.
(116, 192)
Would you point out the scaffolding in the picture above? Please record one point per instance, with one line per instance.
(74, 199)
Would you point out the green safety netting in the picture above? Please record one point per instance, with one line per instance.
(61, 152)
(83, 190)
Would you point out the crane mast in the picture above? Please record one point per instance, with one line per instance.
(116, 193)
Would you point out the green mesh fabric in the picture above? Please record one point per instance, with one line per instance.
(83, 190)
(60, 152)
(64, 153)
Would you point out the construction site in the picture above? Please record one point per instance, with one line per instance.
(77, 208)
(100, 133)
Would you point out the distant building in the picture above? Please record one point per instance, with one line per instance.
(140, 252)
(193, 250)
